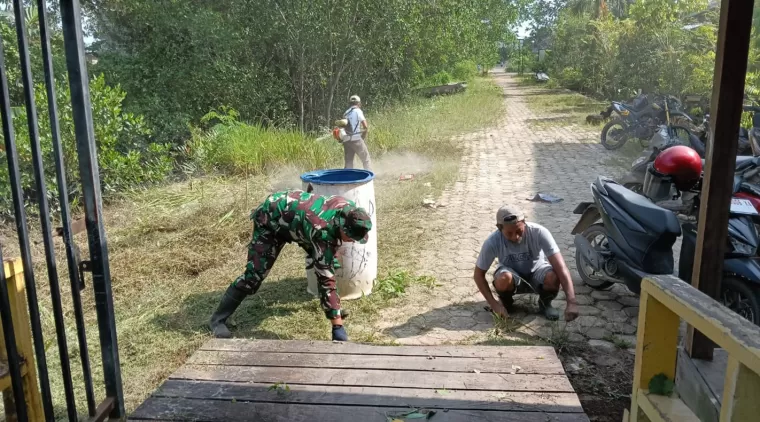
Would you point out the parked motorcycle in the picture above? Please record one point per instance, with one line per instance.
(665, 137)
(622, 237)
(639, 120)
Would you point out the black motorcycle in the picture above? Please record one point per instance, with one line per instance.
(622, 237)
(639, 120)
(664, 137)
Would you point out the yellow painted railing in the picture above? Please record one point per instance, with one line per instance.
(665, 300)
(16, 294)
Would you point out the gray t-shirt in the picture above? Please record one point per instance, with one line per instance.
(525, 257)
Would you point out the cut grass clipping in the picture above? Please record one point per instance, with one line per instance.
(175, 249)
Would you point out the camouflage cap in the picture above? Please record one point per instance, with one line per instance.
(356, 223)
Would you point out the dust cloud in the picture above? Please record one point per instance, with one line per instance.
(396, 164)
(286, 178)
(391, 165)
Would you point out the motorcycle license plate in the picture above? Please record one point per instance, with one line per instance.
(742, 206)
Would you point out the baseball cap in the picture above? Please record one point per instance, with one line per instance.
(509, 214)
(356, 223)
(354, 99)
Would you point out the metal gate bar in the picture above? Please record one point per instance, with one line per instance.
(72, 258)
(44, 207)
(23, 240)
(112, 406)
(79, 86)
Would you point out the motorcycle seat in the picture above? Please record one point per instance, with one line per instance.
(742, 162)
(748, 188)
(648, 214)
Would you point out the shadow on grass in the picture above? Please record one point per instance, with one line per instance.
(276, 299)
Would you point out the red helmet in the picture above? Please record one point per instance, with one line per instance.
(682, 164)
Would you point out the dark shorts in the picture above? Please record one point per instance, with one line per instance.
(532, 283)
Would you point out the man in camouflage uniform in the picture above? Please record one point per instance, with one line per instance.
(318, 224)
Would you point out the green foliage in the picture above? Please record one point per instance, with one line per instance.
(464, 71)
(285, 63)
(395, 283)
(661, 385)
(127, 159)
(440, 78)
(612, 50)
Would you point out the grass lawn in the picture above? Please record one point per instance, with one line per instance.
(174, 249)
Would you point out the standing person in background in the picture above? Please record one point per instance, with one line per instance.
(356, 129)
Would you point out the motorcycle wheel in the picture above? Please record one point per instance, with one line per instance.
(634, 187)
(592, 234)
(737, 296)
(614, 134)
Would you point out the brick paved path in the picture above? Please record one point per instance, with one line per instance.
(509, 164)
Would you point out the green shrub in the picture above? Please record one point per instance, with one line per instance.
(125, 156)
(440, 78)
(465, 71)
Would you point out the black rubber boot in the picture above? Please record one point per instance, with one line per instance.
(229, 303)
(545, 305)
(508, 300)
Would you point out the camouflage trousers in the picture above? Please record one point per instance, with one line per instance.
(263, 251)
(266, 244)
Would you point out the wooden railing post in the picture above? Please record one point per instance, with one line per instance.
(17, 296)
(656, 346)
(741, 393)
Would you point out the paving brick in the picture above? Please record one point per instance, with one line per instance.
(534, 159)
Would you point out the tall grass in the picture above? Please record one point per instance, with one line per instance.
(417, 125)
(238, 148)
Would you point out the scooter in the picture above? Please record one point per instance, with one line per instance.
(623, 237)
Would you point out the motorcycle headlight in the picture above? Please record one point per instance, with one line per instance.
(741, 248)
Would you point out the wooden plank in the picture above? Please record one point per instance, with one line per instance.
(740, 393)
(5, 376)
(14, 272)
(665, 409)
(740, 339)
(376, 378)
(179, 409)
(12, 267)
(374, 396)
(307, 346)
(728, 92)
(503, 365)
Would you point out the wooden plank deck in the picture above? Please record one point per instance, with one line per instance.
(233, 380)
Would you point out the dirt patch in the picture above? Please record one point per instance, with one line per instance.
(602, 378)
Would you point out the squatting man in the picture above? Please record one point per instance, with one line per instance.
(319, 225)
(529, 262)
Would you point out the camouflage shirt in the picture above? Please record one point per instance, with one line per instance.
(311, 221)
